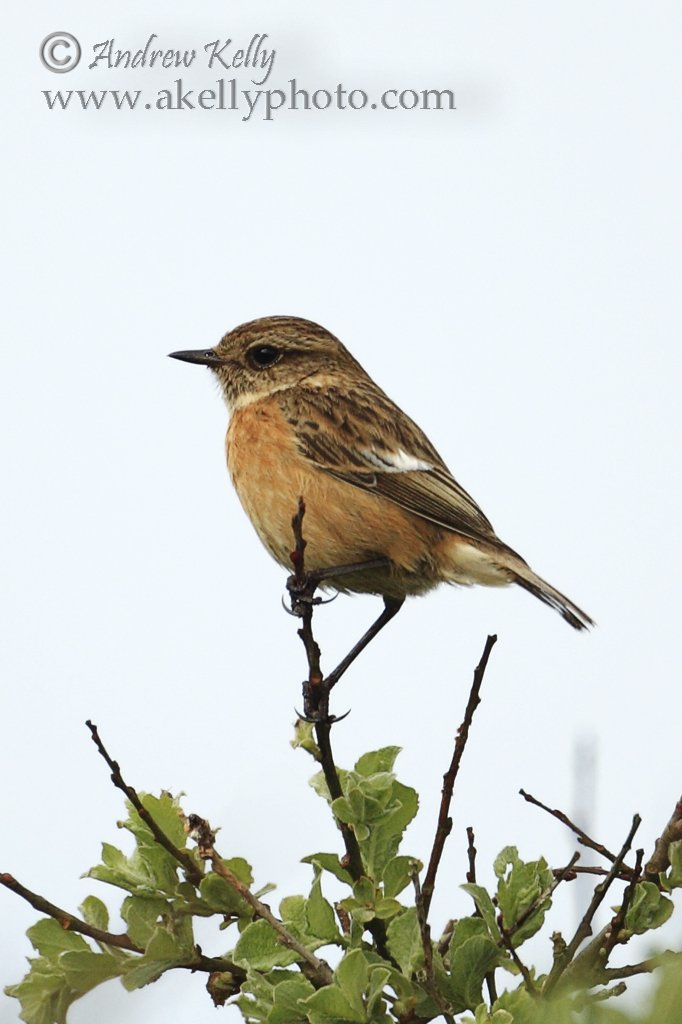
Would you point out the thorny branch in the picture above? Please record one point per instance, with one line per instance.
(316, 707)
(444, 825)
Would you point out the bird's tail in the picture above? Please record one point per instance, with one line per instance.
(535, 585)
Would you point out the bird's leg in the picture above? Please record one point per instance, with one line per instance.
(392, 606)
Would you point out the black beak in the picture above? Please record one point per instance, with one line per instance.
(205, 357)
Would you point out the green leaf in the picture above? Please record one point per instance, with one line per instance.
(51, 940)
(95, 913)
(523, 1008)
(260, 949)
(222, 897)
(292, 912)
(465, 929)
(331, 863)
(85, 970)
(240, 868)
(43, 996)
(405, 941)
(387, 831)
(386, 909)
(277, 997)
(143, 971)
(471, 958)
(167, 814)
(524, 885)
(330, 1006)
(304, 737)
(174, 940)
(148, 871)
(376, 806)
(398, 873)
(668, 998)
(141, 915)
(648, 909)
(375, 761)
(320, 918)
(484, 905)
(378, 980)
(509, 855)
(352, 976)
(673, 879)
(287, 999)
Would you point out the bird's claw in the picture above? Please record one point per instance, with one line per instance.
(315, 718)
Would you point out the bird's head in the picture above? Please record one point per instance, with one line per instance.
(272, 354)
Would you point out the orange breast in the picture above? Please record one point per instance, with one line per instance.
(343, 524)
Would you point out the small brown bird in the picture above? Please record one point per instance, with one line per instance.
(308, 421)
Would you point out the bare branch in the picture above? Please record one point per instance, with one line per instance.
(427, 947)
(584, 929)
(660, 861)
(506, 941)
(583, 837)
(71, 923)
(185, 860)
(471, 856)
(68, 922)
(614, 935)
(201, 830)
(444, 825)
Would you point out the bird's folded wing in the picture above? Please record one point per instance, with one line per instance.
(431, 494)
(366, 441)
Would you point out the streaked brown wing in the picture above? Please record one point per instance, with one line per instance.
(360, 436)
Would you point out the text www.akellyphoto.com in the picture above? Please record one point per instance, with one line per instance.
(263, 103)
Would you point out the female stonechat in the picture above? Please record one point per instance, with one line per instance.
(307, 421)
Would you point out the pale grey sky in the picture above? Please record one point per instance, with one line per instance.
(508, 272)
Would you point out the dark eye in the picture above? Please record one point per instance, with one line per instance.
(264, 355)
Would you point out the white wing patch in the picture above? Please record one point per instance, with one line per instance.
(396, 462)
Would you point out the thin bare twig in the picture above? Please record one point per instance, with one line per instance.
(506, 941)
(71, 923)
(320, 971)
(660, 861)
(590, 869)
(584, 929)
(583, 837)
(185, 860)
(68, 921)
(471, 856)
(427, 947)
(614, 935)
(444, 825)
(631, 970)
(471, 878)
